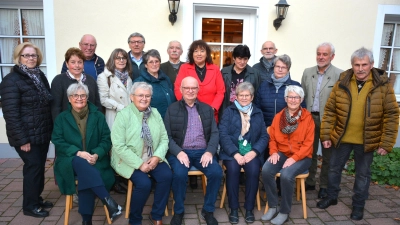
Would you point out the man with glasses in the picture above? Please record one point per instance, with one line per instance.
(317, 83)
(193, 141)
(266, 64)
(93, 64)
(136, 43)
(171, 67)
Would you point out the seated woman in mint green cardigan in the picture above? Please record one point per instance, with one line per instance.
(140, 143)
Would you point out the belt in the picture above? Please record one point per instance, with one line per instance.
(315, 113)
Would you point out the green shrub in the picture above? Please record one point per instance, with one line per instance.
(384, 169)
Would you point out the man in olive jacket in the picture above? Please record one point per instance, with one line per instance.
(361, 115)
(193, 141)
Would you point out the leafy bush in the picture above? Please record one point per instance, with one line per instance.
(384, 169)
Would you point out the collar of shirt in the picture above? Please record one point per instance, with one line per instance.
(72, 76)
(137, 61)
(324, 70)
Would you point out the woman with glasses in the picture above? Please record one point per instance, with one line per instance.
(243, 140)
(26, 98)
(74, 58)
(163, 91)
(290, 148)
(82, 139)
(140, 143)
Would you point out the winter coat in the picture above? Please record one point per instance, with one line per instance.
(264, 72)
(163, 90)
(176, 120)
(135, 68)
(381, 112)
(297, 145)
(128, 145)
(230, 127)
(114, 96)
(67, 140)
(27, 119)
(271, 101)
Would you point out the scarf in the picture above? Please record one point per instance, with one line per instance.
(123, 76)
(245, 112)
(81, 119)
(267, 64)
(34, 73)
(288, 124)
(278, 82)
(145, 134)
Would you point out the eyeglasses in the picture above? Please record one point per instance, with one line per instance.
(141, 96)
(136, 42)
(89, 45)
(271, 49)
(121, 58)
(281, 67)
(244, 96)
(76, 96)
(155, 62)
(190, 88)
(293, 97)
(27, 56)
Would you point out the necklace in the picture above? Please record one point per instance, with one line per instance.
(200, 71)
(360, 83)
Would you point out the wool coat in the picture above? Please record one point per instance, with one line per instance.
(67, 140)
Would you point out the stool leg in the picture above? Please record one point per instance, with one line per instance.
(303, 197)
(298, 181)
(107, 215)
(128, 199)
(223, 195)
(204, 183)
(68, 206)
(258, 200)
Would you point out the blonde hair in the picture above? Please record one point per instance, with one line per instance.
(21, 47)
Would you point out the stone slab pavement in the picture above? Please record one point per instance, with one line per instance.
(382, 206)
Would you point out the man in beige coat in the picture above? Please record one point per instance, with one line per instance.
(317, 82)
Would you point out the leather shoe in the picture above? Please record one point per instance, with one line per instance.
(155, 222)
(45, 204)
(322, 193)
(249, 216)
(310, 187)
(326, 202)
(234, 216)
(357, 213)
(118, 188)
(37, 212)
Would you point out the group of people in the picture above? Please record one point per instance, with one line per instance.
(151, 122)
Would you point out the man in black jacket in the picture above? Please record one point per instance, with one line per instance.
(193, 141)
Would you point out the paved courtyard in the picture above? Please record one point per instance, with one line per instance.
(382, 207)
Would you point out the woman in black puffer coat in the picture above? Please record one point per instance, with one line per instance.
(26, 98)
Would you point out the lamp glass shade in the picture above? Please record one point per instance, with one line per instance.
(173, 6)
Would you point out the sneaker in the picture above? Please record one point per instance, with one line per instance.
(281, 218)
(249, 217)
(271, 213)
(75, 198)
(208, 217)
(234, 216)
(177, 219)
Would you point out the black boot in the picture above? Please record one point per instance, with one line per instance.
(113, 208)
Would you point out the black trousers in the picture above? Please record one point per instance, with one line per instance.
(33, 172)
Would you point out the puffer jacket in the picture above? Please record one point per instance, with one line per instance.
(27, 119)
(271, 101)
(381, 112)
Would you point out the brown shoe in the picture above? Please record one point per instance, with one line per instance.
(155, 222)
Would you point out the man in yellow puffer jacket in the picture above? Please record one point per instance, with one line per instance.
(361, 115)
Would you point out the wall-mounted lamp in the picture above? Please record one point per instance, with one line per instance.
(173, 9)
(281, 11)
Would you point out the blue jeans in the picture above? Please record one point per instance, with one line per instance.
(288, 178)
(213, 173)
(362, 160)
(162, 174)
(252, 171)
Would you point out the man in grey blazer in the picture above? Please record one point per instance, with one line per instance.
(317, 82)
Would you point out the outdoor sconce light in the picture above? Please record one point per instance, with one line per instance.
(281, 11)
(173, 9)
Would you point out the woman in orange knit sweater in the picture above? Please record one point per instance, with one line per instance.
(290, 148)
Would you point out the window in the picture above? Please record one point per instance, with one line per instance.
(19, 25)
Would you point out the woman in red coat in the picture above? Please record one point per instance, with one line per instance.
(208, 75)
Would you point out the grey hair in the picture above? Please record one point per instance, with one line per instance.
(153, 53)
(141, 85)
(74, 88)
(245, 86)
(327, 44)
(285, 59)
(296, 89)
(136, 34)
(173, 42)
(361, 53)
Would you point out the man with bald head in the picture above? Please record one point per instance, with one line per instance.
(93, 64)
(193, 141)
(266, 64)
(171, 67)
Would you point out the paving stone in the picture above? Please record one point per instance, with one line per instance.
(375, 206)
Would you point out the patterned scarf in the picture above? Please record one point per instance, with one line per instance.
(145, 134)
(267, 64)
(34, 74)
(123, 76)
(244, 112)
(288, 124)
